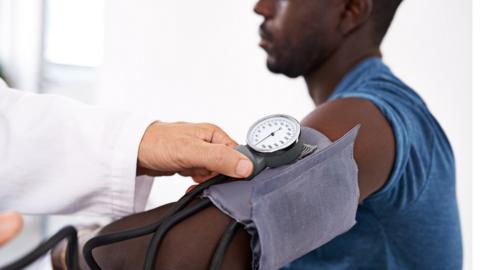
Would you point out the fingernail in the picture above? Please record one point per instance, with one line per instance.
(244, 168)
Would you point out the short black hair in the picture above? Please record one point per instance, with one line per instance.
(383, 13)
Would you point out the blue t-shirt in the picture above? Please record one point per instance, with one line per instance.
(412, 222)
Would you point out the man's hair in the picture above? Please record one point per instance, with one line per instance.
(383, 13)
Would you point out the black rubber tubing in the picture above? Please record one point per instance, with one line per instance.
(137, 232)
(222, 246)
(151, 257)
(69, 233)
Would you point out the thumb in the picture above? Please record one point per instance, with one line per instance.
(10, 225)
(224, 160)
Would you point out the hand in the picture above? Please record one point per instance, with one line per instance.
(197, 150)
(10, 226)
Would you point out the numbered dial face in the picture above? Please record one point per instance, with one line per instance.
(273, 133)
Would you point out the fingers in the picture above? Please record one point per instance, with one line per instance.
(218, 136)
(10, 226)
(199, 175)
(171, 148)
(222, 159)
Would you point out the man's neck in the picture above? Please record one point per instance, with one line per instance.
(322, 81)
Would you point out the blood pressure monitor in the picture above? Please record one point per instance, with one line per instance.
(274, 141)
(273, 133)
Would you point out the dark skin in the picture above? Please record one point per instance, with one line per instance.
(320, 40)
(190, 245)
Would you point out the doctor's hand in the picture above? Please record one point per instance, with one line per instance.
(197, 150)
(10, 226)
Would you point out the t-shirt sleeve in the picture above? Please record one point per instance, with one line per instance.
(399, 190)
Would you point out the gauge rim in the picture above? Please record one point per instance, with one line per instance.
(260, 150)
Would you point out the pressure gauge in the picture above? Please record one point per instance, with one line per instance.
(274, 141)
(273, 133)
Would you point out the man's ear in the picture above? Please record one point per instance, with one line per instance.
(355, 14)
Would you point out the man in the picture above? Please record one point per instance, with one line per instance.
(407, 216)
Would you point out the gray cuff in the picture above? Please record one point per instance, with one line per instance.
(292, 210)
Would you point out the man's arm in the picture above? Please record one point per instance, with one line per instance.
(196, 237)
(188, 245)
(375, 144)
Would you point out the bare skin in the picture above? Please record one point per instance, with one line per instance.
(196, 150)
(10, 225)
(189, 245)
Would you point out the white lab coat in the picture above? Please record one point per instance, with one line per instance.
(59, 156)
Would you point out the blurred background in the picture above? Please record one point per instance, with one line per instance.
(199, 61)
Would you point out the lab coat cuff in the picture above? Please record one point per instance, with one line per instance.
(129, 192)
(143, 186)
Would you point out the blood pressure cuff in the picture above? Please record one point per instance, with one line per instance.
(294, 209)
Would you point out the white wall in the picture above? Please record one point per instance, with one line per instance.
(21, 42)
(199, 61)
(476, 133)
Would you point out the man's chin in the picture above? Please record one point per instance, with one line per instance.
(277, 69)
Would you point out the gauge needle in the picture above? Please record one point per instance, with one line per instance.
(269, 135)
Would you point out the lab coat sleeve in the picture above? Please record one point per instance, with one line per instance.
(59, 156)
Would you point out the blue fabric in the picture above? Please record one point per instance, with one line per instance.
(412, 222)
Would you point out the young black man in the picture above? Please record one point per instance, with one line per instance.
(407, 216)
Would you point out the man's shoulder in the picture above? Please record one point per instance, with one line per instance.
(387, 87)
(375, 144)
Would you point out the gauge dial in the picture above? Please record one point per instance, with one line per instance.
(273, 133)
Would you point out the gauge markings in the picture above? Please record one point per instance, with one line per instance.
(272, 134)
